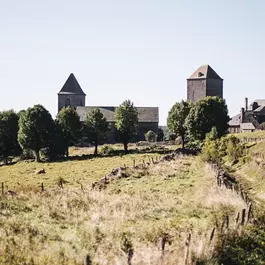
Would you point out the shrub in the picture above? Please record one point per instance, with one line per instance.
(245, 248)
(107, 150)
(234, 148)
(210, 150)
(150, 136)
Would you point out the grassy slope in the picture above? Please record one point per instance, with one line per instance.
(21, 176)
(251, 174)
(62, 226)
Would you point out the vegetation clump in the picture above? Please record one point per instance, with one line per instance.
(150, 136)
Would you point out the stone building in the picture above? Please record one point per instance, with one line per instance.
(249, 118)
(204, 82)
(72, 95)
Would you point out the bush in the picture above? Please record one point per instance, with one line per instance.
(107, 150)
(27, 154)
(150, 136)
(245, 248)
(215, 149)
(234, 148)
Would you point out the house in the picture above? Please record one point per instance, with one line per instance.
(250, 114)
(204, 82)
(72, 95)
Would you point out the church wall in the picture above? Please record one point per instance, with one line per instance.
(75, 100)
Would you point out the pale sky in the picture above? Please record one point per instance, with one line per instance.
(143, 50)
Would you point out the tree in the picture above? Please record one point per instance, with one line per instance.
(126, 122)
(176, 119)
(69, 122)
(262, 126)
(150, 136)
(8, 135)
(160, 135)
(207, 113)
(96, 127)
(35, 127)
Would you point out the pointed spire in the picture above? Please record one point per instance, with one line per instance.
(71, 86)
(205, 71)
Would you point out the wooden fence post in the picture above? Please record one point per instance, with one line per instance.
(134, 163)
(3, 188)
(42, 187)
(227, 222)
(243, 216)
(187, 243)
(163, 244)
(249, 212)
(212, 234)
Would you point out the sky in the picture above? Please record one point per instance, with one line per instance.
(142, 50)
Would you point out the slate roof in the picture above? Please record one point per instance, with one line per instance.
(203, 72)
(235, 121)
(145, 114)
(261, 102)
(247, 126)
(71, 86)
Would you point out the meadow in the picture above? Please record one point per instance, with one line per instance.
(167, 200)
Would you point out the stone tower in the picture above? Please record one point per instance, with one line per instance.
(71, 94)
(204, 82)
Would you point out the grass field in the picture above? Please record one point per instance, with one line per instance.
(62, 226)
(81, 170)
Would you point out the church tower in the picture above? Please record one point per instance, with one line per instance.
(204, 82)
(71, 94)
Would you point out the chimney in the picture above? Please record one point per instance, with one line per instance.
(246, 104)
(242, 115)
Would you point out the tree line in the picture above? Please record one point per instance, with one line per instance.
(34, 129)
(192, 121)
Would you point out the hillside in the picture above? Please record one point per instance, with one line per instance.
(163, 201)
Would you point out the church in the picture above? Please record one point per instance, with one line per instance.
(72, 95)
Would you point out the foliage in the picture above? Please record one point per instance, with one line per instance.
(246, 248)
(8, 135)
(95, 127)
(70, 125)
(207, 113)
(107, 150)
(126, 122)
(150, 136)
(215, 149)
(262, 126)
(57, 145)
(160, 135)
(210, 150)
(35, 127)
(176, 119)
(234, 149)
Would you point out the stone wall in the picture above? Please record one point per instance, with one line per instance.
(214, 87)
(75, 100)
(196, 89)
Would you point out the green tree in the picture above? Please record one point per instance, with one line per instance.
(176, 119)
(207, 113)
(211, 149)
(150, 136)
(70, 124)
(35, 127)
(160, 135)
(126, 122)
(96, 127)
(8, 135)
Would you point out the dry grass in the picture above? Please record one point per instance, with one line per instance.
(22, 176)
(61, 226)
